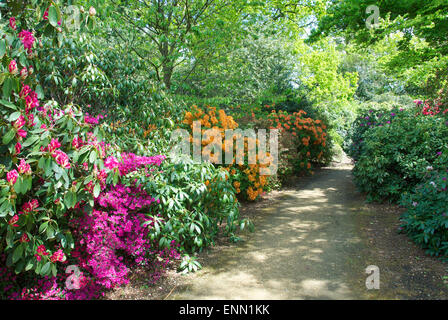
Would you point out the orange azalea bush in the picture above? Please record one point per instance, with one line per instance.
(246, 178)
(305, 138)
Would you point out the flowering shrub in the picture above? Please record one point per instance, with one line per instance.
(246, 177)
(374, 116)
(426, 218)
(395, 156)
(431, 108)
(307, 137)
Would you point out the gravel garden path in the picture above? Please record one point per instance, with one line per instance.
(314, 241)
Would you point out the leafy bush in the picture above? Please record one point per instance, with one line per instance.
(305, 139)
(194, 200)
(52, 160)
(426, 218)
(370, 116)
(394, 156)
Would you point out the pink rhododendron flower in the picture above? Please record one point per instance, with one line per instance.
(58, 256)
(77, 142)
(12, 68)
(24, 238)
(62, 159)
(12, 176)
(31, 101)
(53, 145)
(12, 23)
(13, 221)
(24, 73)
(24, 168)
(21, 134)
(45, 16)
(27, 39)
(25, 91)
(18, 148)
(42, 250)
(30, 206)
(111, 163)
(30, 121)
(20, 122)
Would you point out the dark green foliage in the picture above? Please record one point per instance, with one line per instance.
(426, 218)
(395, 156)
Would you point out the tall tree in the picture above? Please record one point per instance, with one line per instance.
(418, 26)
(169, 30)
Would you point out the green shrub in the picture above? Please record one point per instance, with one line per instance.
(370, 116)
(426, 218)
(395, 155)
(195, 199)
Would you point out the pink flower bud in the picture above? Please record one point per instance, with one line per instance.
(13, 221)
(13, 67)
(18, 148)
(24, 167)
(24, 73)
(12, 176)
(12, 23)
(92, 11)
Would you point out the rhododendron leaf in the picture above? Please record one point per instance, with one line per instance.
(19, 266)
(43, 227)
(27, 184)
(164, 242)
(116, 177)
(22, 59)
(14, 116)
(8, 104)
(70, 243)
(70, 199)
(48, 166)
(93, 156)
(9, 136)
(29, 265)
(54, 271)
(30, 141)
(2, 48)
(17, 253)
(96, 190)
(40, 92)
(70, 125)
(50, 232)
(5, 208)
(18, 186)
(41, 163)
(45, 269)
(53, 16)
(9, 238)
(3, 77)
(8, 86)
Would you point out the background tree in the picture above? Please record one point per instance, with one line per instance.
(418, 29)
